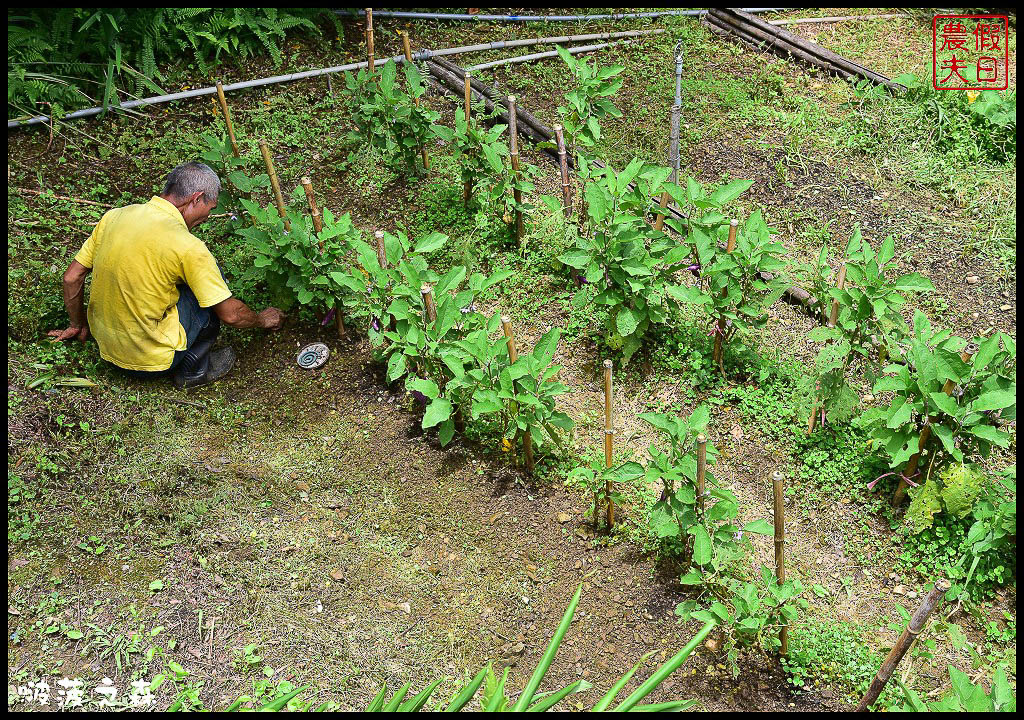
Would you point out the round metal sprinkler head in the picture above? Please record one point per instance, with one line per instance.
(313, 356)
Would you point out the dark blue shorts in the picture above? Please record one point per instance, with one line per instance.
(194, 320)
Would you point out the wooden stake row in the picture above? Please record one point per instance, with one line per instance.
(780, 550)
(609, 435)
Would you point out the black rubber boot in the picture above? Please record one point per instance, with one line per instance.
(195, 365)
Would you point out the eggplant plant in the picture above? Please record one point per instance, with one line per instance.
(961, 399)
(388, 118)
(588, 102)
(520, 397)
(704, 532)
(751, 613)
(869, 314)
(631, 266)
(496, 695)
(602, 483)
(299, 264)
(734, 287)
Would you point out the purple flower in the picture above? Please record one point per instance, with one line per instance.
(375, 325)
(695, 269)
(328, 317)
(419, 397)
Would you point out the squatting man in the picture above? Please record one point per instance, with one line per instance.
(158, 298)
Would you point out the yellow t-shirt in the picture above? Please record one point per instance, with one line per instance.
(138, 255)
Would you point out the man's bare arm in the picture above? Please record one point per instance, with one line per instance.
(74, 301)
(237, 314)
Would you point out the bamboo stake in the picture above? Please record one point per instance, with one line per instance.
(428, 302)
(780, 547)
(609, 435)
(369, 40)
(563, 167)
(514, 147)
(909, 634)
(702, 470)
(832, 318)
(922, 444)
(467, 185)
(318, 226)
(275, 184)
(407, 49)
(840, 284)
(660, 222)
(720, 332)
(513, 355)
(382, 257)
(227, 119)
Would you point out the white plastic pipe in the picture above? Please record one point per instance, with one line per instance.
(543, 55)
(538, 18)
(421, 55)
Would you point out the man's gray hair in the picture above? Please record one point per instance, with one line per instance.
(192, 177)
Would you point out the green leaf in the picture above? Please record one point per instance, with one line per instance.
(425, 386)
(437, 412)
(702, 547)
(626, 321)
(430, 243)
(995, 400)
(728, 193)
(761, 527)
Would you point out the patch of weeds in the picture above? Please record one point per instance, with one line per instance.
(943, 549)
(832, 654)
(768, 398)
(833, 462)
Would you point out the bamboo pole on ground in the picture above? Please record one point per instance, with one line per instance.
(407, 49)
(275, 184)
(514, 151)
(513, 355)
(780, 549)
(909, 634)
(720, 331)
(833, 316)
(609, 435)
(922, 444)
(227, 118)
(563, 168)
(369, 40)
(467, 185)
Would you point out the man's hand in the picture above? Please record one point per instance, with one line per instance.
(235, 313)
(72, 333)
(271, 318)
